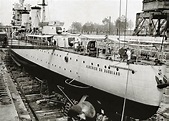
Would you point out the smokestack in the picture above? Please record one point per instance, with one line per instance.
(35, 16)
(25, 18)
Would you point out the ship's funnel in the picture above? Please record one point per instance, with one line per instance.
(35, 16)
(25, 18)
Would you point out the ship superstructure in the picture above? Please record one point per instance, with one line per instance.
(21, 15)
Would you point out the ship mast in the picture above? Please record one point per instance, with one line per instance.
(43, 4)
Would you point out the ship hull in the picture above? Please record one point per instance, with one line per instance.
(112, 104)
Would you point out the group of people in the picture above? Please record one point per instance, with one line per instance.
(125, 53)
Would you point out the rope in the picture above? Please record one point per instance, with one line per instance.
(125, 21)
(60, 88)
(73, 85)
(124, 103)
(78, 70)
(119, 22)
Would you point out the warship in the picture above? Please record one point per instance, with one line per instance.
(124, 76)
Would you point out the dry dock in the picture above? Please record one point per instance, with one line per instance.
(11, 104)
(7, 107)
(22, 98)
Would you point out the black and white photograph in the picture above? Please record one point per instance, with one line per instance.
(84, 60)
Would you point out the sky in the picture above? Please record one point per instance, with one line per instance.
(83, 11)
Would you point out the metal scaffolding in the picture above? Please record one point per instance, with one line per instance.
(153, 21)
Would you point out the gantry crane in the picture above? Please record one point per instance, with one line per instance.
(154, 20)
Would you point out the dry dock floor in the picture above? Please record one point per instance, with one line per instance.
(12, 107)
(7, 107)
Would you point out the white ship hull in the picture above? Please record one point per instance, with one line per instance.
(101, 74)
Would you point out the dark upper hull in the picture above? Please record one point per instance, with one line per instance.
(110, 103)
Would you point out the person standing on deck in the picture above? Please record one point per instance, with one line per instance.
(128, 52)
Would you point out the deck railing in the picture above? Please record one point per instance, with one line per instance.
(22, 44)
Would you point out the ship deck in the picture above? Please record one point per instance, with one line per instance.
(18, 44)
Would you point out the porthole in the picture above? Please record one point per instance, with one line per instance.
(98, 65)
(117, 69)
(83, 61)
(105, 66)
(108, 67)
(91, 63)
(133, 72)
(76, 59)
(66, 59)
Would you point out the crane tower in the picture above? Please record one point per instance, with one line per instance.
(154, 19)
